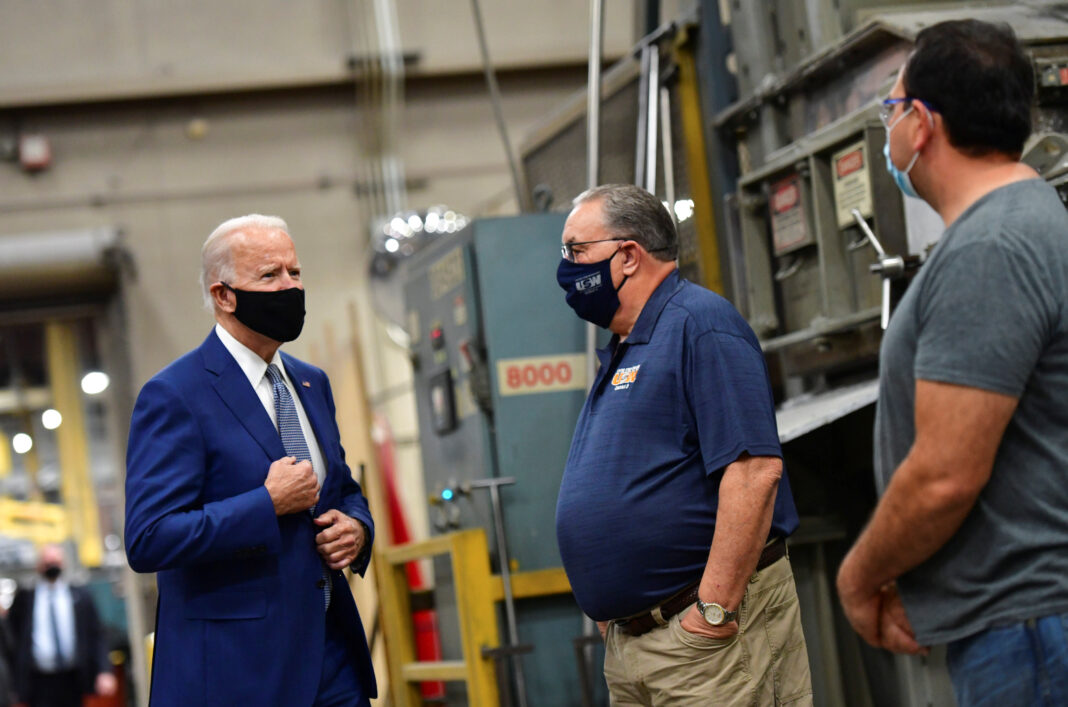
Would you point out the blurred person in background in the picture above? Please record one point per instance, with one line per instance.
(7, 653)
(59, 650)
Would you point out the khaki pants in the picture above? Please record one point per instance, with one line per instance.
(765, 664)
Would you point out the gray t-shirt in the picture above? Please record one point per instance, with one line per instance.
(989, 310)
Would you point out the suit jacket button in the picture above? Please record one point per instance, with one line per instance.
(321, 584)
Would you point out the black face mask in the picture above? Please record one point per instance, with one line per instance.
(51, 572)
(278, 314)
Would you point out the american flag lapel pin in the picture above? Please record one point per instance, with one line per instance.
(306, 384)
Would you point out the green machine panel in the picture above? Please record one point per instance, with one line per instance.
(536, 348)
(500, 377)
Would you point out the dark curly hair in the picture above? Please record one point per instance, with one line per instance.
(978, 78)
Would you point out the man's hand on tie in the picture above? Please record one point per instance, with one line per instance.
(292, 486)
(340, 542)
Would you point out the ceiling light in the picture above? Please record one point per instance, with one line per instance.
(21, 443)
(51, 419)
(95, 382)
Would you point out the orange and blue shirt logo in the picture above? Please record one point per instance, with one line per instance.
(625, 376)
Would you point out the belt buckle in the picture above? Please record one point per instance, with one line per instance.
(658, 614)
(637, 625)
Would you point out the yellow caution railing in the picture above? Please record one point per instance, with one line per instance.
(477, 591)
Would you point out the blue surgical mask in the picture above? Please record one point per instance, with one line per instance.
(589, 289)
(901, 177)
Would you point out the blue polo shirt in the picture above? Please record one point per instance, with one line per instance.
(685, 395)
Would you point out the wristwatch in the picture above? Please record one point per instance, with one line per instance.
(715, 614)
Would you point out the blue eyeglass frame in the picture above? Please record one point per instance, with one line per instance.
(888, 104)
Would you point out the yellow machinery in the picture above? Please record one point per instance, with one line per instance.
(477, 593)
(41, 523)
(78, 517)
(78, 494)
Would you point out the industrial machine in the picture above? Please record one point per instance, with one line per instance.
(760, 131)
(823, 244)
(500, 376)
(815, 285)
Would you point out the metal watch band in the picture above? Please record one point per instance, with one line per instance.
(728, 616)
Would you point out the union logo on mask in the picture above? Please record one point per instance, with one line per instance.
(588, 283)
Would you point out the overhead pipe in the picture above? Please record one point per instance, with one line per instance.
(593, 157)
(593, 93)
(652, 104)
(522, 194)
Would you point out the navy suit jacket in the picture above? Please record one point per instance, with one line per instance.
(240, 619)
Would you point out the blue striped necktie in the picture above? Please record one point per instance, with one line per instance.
(294, 443)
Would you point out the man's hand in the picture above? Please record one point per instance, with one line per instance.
(861, 603)
(292, 486)
(877, 615)
(958, 431)
(693, 622)
(894, 628)
(341, 541)
(106, 684)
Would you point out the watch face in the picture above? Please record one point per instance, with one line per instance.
(714, 614)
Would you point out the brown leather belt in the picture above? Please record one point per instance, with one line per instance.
(643, 623)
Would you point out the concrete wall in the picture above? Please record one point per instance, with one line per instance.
(114, 85)
(63, 49)
(292, 153)
(166, 118)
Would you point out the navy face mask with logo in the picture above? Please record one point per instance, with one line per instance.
(589, 289)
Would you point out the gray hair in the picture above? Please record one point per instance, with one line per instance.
(216, 257)
(631, 212)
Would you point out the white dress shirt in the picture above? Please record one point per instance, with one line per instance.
(44, 644)
(255, 369)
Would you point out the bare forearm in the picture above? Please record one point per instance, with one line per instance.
(746, 505)
(958, 430)
(918, 514)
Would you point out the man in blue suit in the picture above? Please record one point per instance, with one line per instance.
(238, 495)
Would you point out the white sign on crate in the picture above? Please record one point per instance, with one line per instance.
(852, 183)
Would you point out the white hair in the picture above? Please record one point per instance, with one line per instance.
(216, 257)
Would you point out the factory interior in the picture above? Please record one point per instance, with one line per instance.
(425, 157)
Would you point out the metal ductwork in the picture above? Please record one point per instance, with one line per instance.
(56, 264)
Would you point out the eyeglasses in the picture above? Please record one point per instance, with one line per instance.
(567, 249)
(886, 110)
